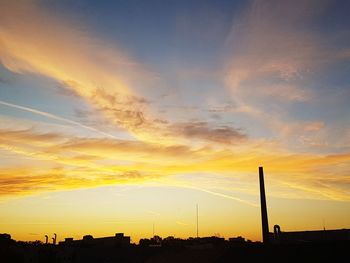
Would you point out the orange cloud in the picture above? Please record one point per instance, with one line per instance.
(29, 180)
(92, 162)
(35, 41)
(103, 75)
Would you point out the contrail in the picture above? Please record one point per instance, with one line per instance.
(213, 193)
(55, 117)
(224, 196)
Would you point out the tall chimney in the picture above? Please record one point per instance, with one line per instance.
(264, 220)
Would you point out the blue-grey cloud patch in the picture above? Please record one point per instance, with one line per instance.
(212, 134)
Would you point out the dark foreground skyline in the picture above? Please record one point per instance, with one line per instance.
(208, 249)
(298, 246)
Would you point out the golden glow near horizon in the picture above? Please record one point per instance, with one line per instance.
(99, 137)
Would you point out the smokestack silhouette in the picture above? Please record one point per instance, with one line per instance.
(46, 239)
(264, 220)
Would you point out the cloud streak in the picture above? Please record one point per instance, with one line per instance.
(202, 130)
(70, 163)
(54, 117)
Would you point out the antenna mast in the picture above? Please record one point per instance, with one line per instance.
(324, 225)
(197, 219)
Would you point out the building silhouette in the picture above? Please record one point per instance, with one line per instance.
(118, 240)
(279, 236)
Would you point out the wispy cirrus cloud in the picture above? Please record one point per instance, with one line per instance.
(275, 56)
(271, 40)
(104, 77)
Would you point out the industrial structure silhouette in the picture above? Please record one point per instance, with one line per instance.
(298, 246)
(296, 236)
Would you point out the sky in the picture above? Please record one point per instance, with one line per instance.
(117, 116)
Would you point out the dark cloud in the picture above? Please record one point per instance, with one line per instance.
(161, 121)
(82, 114)
(215, 116)
(182, 107)
(127, 118)
(125, 110)
(13, 183)
(84, 149)
(116, 98)
(95, 119)
(64, 88)
(227, 107)
(109, 146)
(28, 136)
(203, 131)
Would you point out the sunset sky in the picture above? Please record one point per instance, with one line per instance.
(117, 115)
